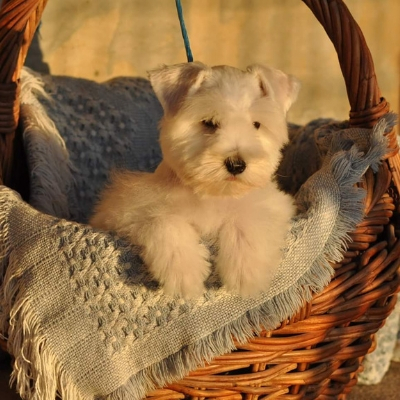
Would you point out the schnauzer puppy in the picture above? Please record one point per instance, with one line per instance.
(220, 136)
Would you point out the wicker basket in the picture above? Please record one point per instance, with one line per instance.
(318, 352)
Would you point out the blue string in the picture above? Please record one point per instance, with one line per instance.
(185, 36)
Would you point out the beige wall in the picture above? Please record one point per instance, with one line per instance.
(99, 39)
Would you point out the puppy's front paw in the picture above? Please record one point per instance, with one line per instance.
(181, 270)
(245, 262)
(246, 276)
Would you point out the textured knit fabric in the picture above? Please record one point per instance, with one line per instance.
(82, 315)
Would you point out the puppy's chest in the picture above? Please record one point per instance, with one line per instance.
(208, 215)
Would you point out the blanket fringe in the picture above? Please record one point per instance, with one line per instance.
(37, 373)
(4, 229)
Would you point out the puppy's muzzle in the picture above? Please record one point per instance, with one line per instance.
(235, 165)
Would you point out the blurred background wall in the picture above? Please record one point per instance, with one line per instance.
(100, 39)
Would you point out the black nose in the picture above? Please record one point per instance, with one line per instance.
(235, 165)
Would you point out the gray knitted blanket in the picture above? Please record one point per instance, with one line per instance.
(82, 316)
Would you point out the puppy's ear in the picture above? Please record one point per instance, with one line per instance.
(275, 83)
(173, 83)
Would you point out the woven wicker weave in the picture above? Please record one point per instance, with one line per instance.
(318, 352)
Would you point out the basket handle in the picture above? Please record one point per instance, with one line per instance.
(18, 22)
(367, 104)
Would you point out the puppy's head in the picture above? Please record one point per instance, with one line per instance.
(222, 127)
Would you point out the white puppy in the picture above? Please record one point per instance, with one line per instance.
(221, 136)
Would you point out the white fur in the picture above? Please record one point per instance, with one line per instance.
(192, 195)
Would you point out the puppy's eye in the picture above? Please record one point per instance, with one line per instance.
(256, 124)
(208, 123)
